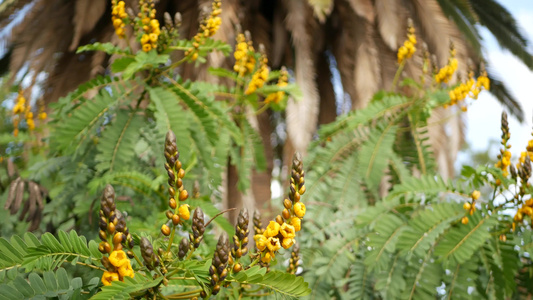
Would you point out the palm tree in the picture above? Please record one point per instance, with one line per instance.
(359, 38)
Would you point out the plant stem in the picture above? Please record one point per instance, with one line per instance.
(397, 75)
(171, 238)
(255, 262)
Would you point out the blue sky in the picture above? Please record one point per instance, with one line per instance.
(483, 117)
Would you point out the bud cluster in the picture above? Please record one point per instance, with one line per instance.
(151, 260)
(197, 228)
(113, 230)
(177, 213)
(218, 270)
(240, 239)
(294, 261)
(282, 231)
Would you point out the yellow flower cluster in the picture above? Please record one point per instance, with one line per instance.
(483, 81)
(244, 56)
(42, 114)
(445, 73)
(208, 28)
(122, 268)
(19, 109)
(525, 210)
(118, 15)
(259, 77)
(408, 48)
(150, 26)
(282, 231)
(470, 206)
(276, 97)
(504, 162)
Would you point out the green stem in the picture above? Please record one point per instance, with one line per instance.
(170, 241)
(397, 75)
(255, 261)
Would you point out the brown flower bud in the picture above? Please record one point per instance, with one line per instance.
(172, 203)
(111, 228)
(183, 195)
(169, 214)
(175, 219)
(181, 173)
(171, 191)
(286, 214)
(287, 203)
(279, 220)
(102, 235)
(237, 268)
(117, 239)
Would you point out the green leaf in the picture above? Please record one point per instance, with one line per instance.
(108, 48)
(371, 156)
(116, 147)
(426, 226)
(383, 241)
(461, 242)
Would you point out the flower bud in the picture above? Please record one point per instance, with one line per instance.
(183, 195)
(175, 219)
(165, 230)
(287, 203)
(172, 203)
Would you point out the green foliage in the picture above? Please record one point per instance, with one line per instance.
(388, 227)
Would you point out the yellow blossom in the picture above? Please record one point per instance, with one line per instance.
(287, 231)
(126, 270)
(267, 257)
(109, 277)
(273, 244)
(476, 194)
(260, 242)
(184, 212)
(118, 258)
(299, 209)
(272, 229)
(287, 243)
(296, 223)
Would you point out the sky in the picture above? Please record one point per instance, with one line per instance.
(483, 116)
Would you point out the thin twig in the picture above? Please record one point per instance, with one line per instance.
(224, 211)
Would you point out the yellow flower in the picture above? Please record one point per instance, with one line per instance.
(126, 270)
(287, 243)
(267, 257)
(153, 37)
(109, 277)
(260, 241)
(272, 229)
(147, 47)
(31, 124)
(184, 212)
(273, 244)
(476, 194)
(118, 258)
(145, 39)
(467, 206)
(299, 209)
(288, 231)
(296, 223)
